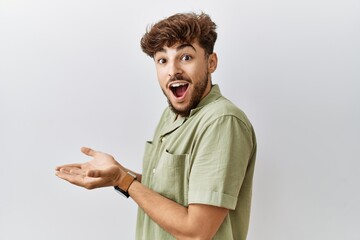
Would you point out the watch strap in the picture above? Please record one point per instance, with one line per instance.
(125, 184)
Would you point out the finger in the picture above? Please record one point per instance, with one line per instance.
(74, 179)
(95, 173)
(74, 165)
(72, 171)
(104, 173)
(88, 151)
(76, 171)
(81, 181)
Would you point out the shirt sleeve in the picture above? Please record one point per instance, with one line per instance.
(220, 160)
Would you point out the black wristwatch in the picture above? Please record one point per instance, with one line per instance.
(123, 188)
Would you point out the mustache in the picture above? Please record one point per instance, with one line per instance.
(178, 76)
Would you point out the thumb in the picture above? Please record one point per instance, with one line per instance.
(88, 151)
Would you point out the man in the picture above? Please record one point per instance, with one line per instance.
(197, 172)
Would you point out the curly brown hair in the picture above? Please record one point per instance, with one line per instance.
(180, 28)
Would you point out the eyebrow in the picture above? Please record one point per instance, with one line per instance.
(180, 47)
(185, 45)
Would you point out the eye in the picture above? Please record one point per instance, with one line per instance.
(186, 57)
(161, 60)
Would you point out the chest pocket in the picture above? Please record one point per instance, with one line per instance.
(170, 177)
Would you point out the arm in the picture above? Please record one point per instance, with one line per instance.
(195, 222)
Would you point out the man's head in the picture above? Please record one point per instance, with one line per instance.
(180, 28)
(182, 47)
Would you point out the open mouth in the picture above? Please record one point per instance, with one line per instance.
(179, 89)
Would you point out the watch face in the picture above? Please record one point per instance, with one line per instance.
(121, 192)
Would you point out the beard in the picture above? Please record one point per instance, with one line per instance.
(195, 98)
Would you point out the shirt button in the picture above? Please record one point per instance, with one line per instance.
(162, 139)
(154, 170)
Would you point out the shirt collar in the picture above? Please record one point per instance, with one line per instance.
(175, 121)
(213, 95)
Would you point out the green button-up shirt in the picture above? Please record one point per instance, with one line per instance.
(206, 158)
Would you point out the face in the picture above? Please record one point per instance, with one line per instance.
(184, 73)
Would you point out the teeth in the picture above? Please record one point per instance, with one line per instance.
(178, 84)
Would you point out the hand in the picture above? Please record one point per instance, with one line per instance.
(102, 171)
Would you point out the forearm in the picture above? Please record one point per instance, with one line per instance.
(160, 208)
(180, 221)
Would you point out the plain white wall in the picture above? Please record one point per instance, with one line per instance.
(72, 74)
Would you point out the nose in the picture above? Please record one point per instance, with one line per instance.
(174, 69)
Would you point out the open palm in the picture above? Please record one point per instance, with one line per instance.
(102, 171)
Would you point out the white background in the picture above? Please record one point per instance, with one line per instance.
(72, 74)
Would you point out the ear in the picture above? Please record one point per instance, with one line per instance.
(212, 62)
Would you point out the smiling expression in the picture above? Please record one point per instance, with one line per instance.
(184, 73)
